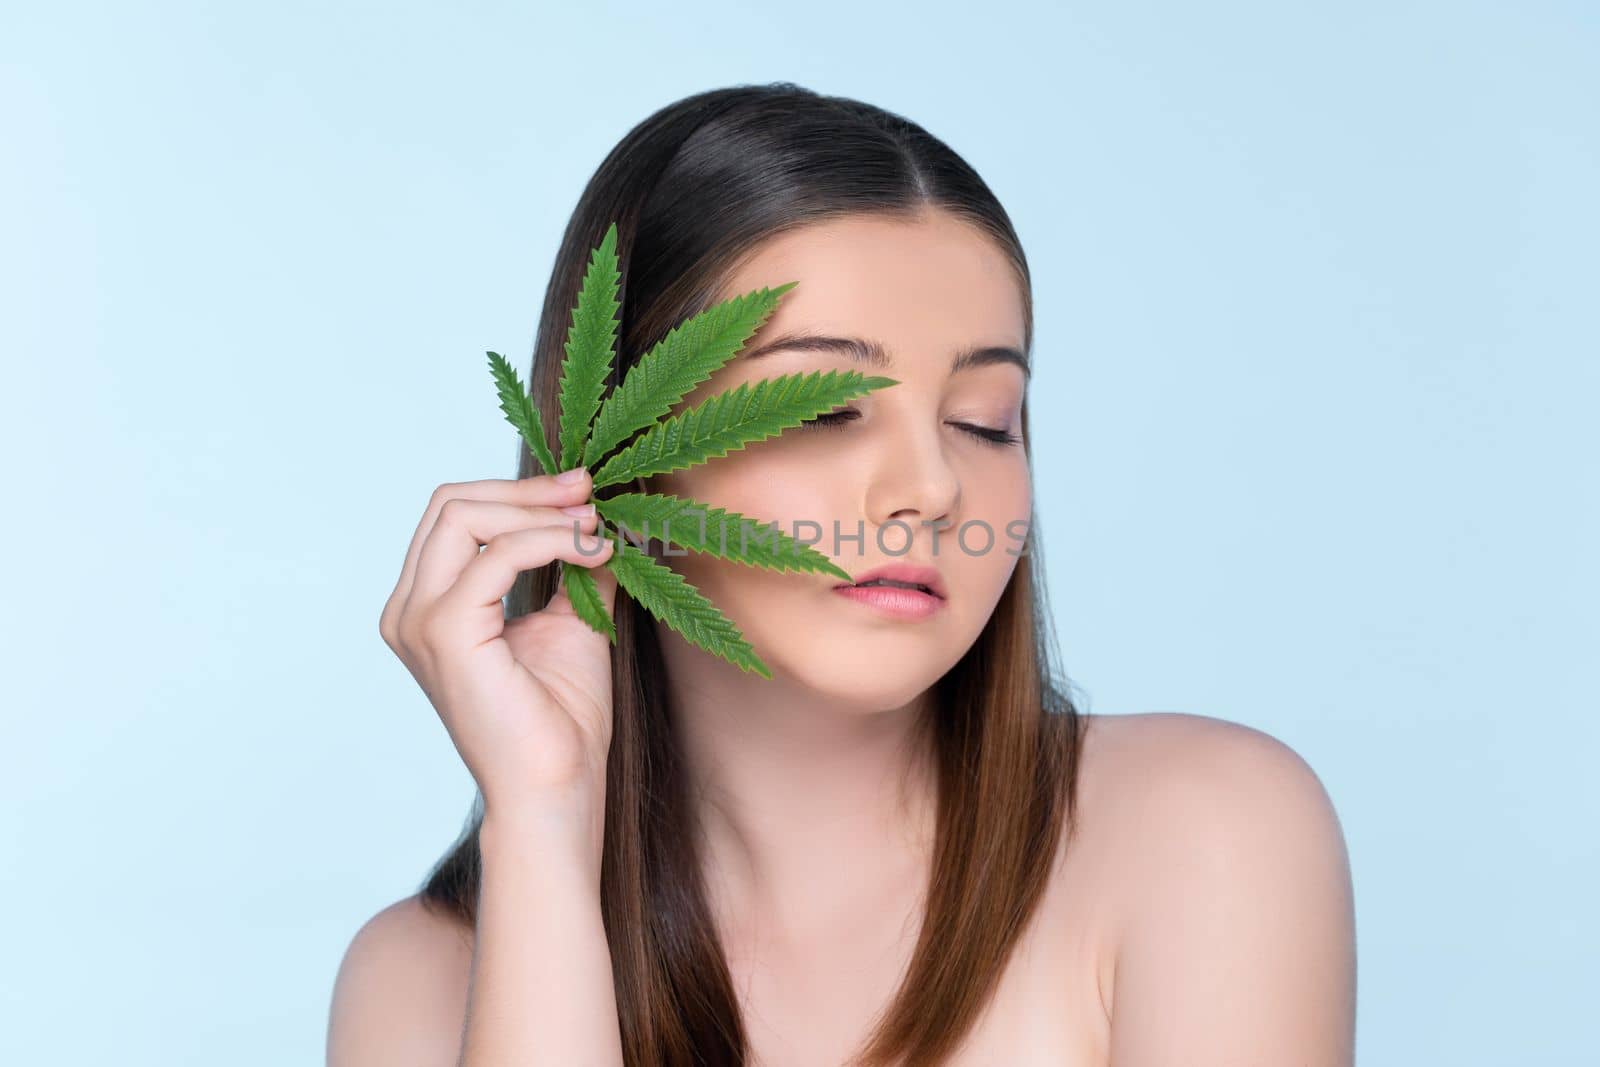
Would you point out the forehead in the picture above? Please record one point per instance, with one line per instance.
(920, 287)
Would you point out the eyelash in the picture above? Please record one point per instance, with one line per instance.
(835, 420)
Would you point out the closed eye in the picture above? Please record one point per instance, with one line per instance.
(835, 420)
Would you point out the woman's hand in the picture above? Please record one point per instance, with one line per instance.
(526, 701)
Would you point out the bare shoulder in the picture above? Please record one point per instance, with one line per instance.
(1169, 787)
(1233, 925)
(400, 996)
(1151, 756)
(1156, 789)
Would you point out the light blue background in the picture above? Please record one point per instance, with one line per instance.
(1317, 333)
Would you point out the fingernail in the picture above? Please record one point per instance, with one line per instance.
(583, 511)
(568, 477)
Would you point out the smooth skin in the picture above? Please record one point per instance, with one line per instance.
(1202, 916)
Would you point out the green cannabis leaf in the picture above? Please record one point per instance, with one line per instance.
(665, 594)
(732, 420)
(590, 338)
(585, 597)
(658, 512)
(520, 412)
(591, 428)
(683, 359)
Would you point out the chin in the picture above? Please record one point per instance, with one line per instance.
(855, 695)
(860, 673)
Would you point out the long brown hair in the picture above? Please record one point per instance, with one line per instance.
(692, 188)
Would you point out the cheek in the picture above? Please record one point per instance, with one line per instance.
(1003, 493)
(764, 484)
(992, 529)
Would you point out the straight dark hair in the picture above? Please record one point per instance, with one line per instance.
(692, 189)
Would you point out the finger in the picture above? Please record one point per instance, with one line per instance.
(487, 579)
(539, 490)
(463, 526)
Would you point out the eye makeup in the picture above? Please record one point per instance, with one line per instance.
(835, 420)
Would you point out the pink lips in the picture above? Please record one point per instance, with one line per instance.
(894, 602)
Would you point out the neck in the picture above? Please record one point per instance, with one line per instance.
(803, 803)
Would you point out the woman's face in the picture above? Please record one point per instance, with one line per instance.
(909, 467)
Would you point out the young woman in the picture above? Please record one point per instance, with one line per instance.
(908, 846)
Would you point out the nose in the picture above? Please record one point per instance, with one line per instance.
(913, 482)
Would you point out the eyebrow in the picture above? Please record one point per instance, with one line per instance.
(874, 354)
